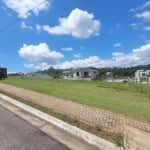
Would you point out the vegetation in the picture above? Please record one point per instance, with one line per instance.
(133, 87)
(55, 73)
(121, 98)
(119, 72)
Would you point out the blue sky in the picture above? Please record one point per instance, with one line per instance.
(38, 34)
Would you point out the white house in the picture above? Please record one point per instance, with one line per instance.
(109, 76)
(81, 73)
(142, 76)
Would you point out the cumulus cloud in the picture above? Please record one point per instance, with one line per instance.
(24, 26)
(42, 58)
(78, 55)
(79, 24)
(141, 12)
(145, 5)
(38, 66)
(146, 28)
(82, 47)
(134, 25)
(117, 45)
(24, 7)
(67, 49)
(138, 56)
(38, 27)
(148, 41)
(91, 61)
(144, 15)
(39, 55)
(141, 7)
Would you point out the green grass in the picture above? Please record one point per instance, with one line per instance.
(119, 98)
(130, 86)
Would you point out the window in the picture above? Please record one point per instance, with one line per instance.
(86, 73)
(143, 74)
(77, 74)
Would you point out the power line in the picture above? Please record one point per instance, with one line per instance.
(15, 20)
(8, 25)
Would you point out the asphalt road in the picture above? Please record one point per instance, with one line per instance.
(17, 134)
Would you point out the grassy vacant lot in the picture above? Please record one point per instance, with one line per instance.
(120, 98)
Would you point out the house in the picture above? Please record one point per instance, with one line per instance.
(3, 73)
(38, 75)
(142, 76)
(109, 76)
(82, 73)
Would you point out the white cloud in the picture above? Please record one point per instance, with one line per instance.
(134, 25)
(116, 45)
(148, 41)
(146, 28)
(78, 55)
(39, 55)
(144, 15)
(38, 66)
(67, 49)
(4, 8)
(91, 61)
(82, 47)
(114, 29)
(143, 6)
(38, 27)
(29, 65)
(24, 26)
(144, 50)
(79, 24)
(24, 7)
(137, 56)
(142, 37)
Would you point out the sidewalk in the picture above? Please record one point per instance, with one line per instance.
(89, 115)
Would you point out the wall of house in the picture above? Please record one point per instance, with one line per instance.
(77, 74)
(142, 76)
(84, 73)
(67, 74)
(89, 73)
(94, 74)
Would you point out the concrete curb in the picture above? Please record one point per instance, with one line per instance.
(87, 137)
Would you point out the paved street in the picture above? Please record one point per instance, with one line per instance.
(17, 134)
